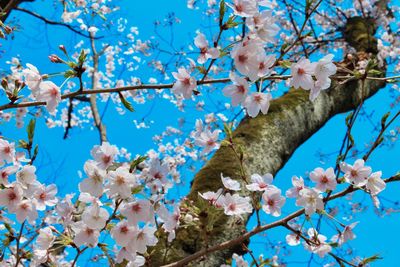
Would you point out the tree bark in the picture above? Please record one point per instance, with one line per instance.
(6, 6)
(268, 142)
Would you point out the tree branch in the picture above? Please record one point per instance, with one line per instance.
(282, 222)
(57, 23)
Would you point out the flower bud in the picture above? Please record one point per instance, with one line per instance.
(55, 59)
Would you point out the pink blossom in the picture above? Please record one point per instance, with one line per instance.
(93, 184)
(85, 235)
(325, 179)
(185, 84)
(257, 102)
(104, 155)
(208, 140)
(318, 245)
(236, 205)
(44, 196)
(230, 183)
(205, 51)
(51, 94)
(244, 8)
(11, 197)
(236, 91)
(7, 151)
(356, 174)
(273, 201)
(375, 184)
(138, 211)
(25, 210)
(260, 183)
(298, 185)
(32, 78)
(123, 233)
(121, 182)
(311, 200)
(302, 72)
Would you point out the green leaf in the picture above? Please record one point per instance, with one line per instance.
(222, 9)
(23, 144)
(231, 23)
(137, 189)
(126, 104)
(228, 129)
(69, 74)
(285, 64)
(31, 130)
(384, 119)
(82, 57)
(136, 162)
(371, 259)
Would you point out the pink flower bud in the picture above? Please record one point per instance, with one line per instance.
(55, 59)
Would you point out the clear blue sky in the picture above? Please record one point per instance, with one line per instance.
(59, 160)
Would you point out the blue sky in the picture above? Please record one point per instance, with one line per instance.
(59, 160)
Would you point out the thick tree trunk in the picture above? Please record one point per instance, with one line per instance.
(268, 142)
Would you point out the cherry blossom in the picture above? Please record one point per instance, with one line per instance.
(325, 179)
(25, 210)
(51, 94)
(7, 151)
(139, 211)
(346, 235)
(93, 184)
(356, 174)
(260, 183)
(240, 262)
(208, 140)
(158, 171)
(236, 205)
(318, 245)
(121, 182)
(145, 237)
(104, 155)
(230, 183)
(302, 72)
(293, 239)
(319, 85)
(44, 196)
(26, 175)
(45, 238)
(257, 102)
(123, 233)
(245, 55)
(11, 196)
(273, 201)
(244, 8)
(95, 217)
(205, 51)
(84, 235)
(215, 198)
(6, 172)
(238, 90)
(375, 184)
(298, 185)
(263, 25)
(311, 200)
(325, 68)
(32, 79)
(185, 84)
